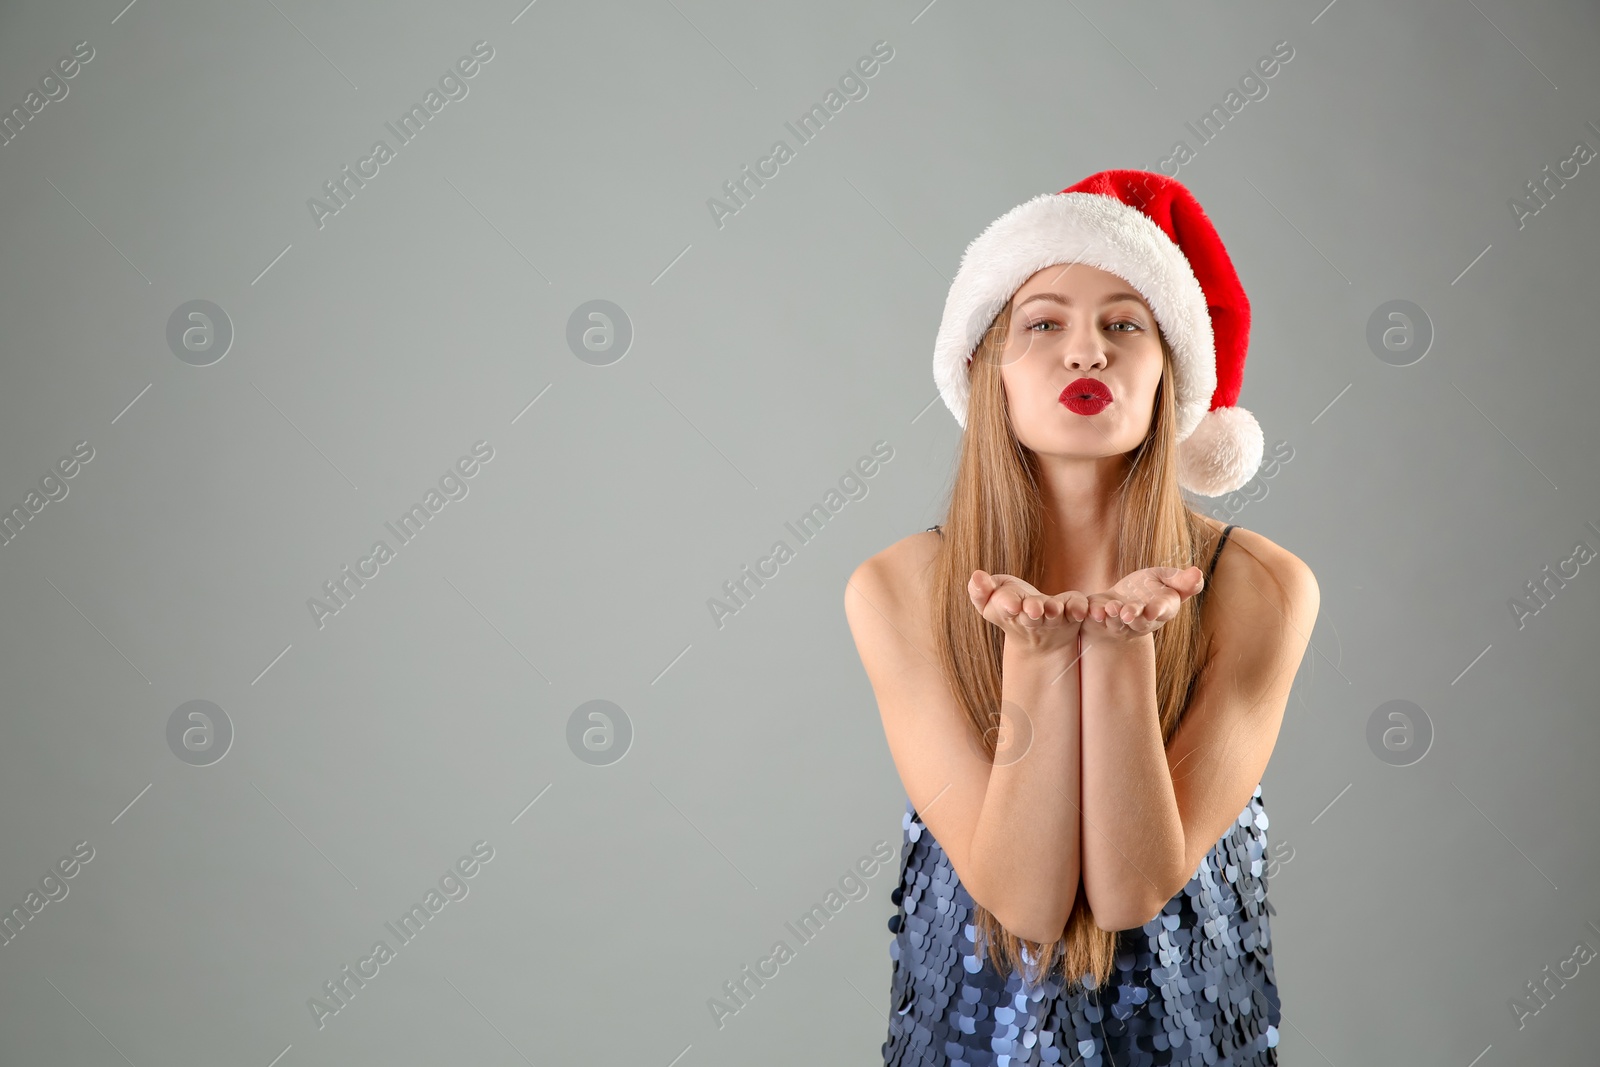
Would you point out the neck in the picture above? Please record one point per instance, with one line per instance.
(1082, 516)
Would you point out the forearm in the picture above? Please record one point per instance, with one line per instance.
(1027, 838)
(1132, 835)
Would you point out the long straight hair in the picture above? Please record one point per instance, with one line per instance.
(995, 521)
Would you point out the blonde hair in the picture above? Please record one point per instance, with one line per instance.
(994, 521)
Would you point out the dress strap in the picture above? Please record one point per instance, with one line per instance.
(1218, 553)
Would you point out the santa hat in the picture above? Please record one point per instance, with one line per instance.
(1149, 230)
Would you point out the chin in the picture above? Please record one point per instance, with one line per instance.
(1087, 445)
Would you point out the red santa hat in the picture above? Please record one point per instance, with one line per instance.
(1148, 229)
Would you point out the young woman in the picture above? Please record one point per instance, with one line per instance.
(1080, 678)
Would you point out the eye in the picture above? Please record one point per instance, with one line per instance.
(1033, 327)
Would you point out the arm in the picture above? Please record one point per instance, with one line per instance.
(1133, 837)
(1027, 835)
(1205, 777)
(1009, 828)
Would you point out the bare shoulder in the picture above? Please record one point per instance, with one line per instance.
(1260, 584)
(898, 573)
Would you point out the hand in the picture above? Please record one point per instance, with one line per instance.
(1139, 604)
(1032, 619)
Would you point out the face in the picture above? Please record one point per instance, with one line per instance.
(1079, 334)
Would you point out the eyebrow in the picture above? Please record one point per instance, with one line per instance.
(1110, 299)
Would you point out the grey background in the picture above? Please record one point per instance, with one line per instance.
(768, 356)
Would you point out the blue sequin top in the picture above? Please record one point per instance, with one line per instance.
(1195, 985)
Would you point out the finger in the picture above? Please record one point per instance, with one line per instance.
(1163, 611)
(1075, 605)
(1186, 580)
(1148, 617)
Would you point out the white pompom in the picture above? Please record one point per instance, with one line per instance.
(1222, 454)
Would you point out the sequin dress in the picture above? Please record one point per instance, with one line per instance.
(1195, 985)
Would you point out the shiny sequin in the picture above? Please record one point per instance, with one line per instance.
(1195, 985)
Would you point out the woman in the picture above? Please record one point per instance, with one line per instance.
(1080, 714)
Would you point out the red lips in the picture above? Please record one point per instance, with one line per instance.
(1086, 396)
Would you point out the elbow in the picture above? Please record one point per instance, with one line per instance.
(1131, 906)
(1041, 921)
(1112, 922)
(1034, 906)
(1033, 918)
(1041, 930)
(1128, 915)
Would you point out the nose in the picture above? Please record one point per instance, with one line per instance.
(1084, 350)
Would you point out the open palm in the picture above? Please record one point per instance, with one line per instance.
(1140, 603)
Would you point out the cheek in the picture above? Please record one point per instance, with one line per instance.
(1150, 377)
(1015, 354)
(1026, 385)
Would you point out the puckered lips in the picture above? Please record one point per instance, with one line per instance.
(1086, 396)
